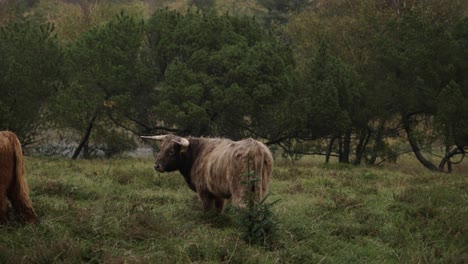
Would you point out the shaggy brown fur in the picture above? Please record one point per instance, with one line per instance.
(12, 181)
(214, 167)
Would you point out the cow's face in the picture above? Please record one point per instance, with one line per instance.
(168, 157)
(166, 160)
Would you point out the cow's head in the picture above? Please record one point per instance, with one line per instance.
(169, 152)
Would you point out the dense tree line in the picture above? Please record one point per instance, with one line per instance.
(404, 58)
(336, 78)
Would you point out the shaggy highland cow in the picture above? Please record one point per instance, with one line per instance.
(214, 167)
(12, 181)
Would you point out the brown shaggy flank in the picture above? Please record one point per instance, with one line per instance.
(12, 181)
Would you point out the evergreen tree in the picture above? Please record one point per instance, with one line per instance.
(104, 71)
(218, 75)
(31, 67)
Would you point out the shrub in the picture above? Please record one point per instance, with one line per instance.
(258, 223)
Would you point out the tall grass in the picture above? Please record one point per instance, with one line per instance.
(117, 211)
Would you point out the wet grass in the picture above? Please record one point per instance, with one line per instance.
(120, 211)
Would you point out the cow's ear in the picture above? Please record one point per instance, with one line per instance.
(183, 149)
(183, 142)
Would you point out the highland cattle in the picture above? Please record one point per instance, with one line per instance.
(214, 167)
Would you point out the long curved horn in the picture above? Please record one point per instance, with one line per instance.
(160, 137)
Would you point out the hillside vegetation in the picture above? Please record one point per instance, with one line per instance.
(359, 81)
(121, 211)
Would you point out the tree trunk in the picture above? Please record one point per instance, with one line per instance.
(329, 149)
(449, 163)
(361, 146)
(378, 142)
(340, 148)
(449, 153)
(344, 154)
(86, 151)
(86, 136)
(414, 146)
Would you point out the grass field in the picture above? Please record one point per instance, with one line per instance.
(121, 211)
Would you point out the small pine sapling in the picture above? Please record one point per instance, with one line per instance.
(258, 223)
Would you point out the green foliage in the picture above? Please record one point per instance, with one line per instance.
(452, 117)
(394, 59)
(74, 18)
(258, 223)
(452, 100)
(113, 141)
(278, 10)
(31, 64)
(408, 50)
(203, 4)
(328, 94)
(104, 73)
(14, 9)
(219, 74)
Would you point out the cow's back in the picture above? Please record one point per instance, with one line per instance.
(222, 164)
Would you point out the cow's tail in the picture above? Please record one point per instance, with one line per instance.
(19, 194)
(262, 162)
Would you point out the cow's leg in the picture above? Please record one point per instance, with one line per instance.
(21, 203)
(207, 200)
(219, 204)
(3, 207)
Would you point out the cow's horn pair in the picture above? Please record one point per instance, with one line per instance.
(182, 141)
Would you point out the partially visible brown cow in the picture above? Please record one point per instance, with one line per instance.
(12, 181)
(213, 167)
